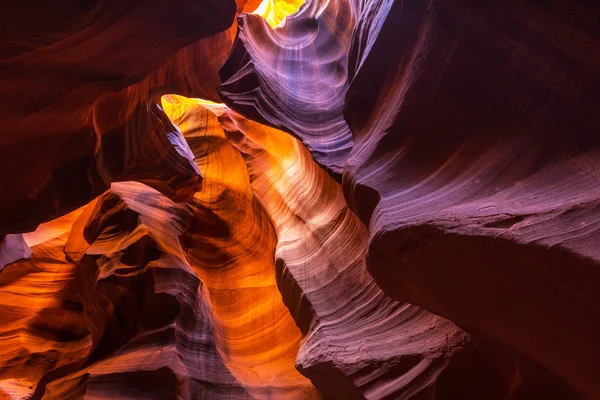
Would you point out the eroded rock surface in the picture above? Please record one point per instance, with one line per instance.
(42, 327)
(476, 167)
(73, 119)
(230, 244)
(358, 343)
(403, 205)
(133, 318)
(295, 77)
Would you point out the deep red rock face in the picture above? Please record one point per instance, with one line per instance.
(281, 199)
(68, 84)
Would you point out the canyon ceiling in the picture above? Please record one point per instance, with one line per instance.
(287, 199)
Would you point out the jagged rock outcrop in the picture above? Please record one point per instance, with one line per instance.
(148, 314)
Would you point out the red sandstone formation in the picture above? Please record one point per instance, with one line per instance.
(41, 315)
(358, 343)
(68, 85)
(230, 243)
(367, 199)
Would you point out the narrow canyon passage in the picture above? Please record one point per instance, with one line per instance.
(287, 199)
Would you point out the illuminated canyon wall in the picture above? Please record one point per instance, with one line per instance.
(321, 199)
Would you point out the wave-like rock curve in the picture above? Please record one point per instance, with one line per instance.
(68, 85)
(294, 77)
(475, 167)
(358, 343)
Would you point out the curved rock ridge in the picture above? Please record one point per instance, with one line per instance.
(476, 167)
(148, 313)
(407, 209)
(294, 78)
(66, 85)
(42, 327)
(230, 244)
(130, 321)
(137, 321)
(358, 342)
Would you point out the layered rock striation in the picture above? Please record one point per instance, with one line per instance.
(74, 114)
(294, 78)
(476, 167)
(395, 200)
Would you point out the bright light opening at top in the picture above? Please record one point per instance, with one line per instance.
(276, 11)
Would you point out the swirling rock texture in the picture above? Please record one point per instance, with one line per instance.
(42, 324)
(68, 84)
(367, 199)
(358, 342)
(294, 78)
(230, 243)
(476, 166)
(148, 314)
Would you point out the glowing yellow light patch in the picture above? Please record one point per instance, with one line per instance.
(275, 11)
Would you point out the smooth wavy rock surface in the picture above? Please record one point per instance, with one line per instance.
(133, 318)
(66, 79)
(396, 200)
(42, 327)
(230, 244)
(358, 343)
(476, 168)
(294, 78)
(148, 314)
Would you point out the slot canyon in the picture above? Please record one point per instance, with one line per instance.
(300, 199)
